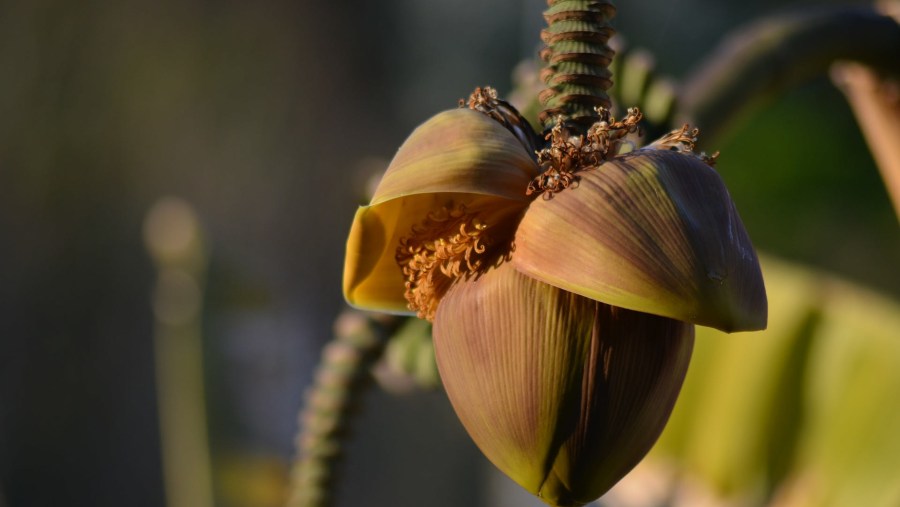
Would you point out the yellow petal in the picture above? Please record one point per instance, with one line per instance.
(562, 393)
(656, 232)
(459, 157)
(372, 278)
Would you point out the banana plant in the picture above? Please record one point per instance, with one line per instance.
(563, 273)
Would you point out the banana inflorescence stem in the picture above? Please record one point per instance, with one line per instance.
(340, 380)
(577, 56)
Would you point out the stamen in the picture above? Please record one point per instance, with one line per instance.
(568, 154)
(448, 245)
(482, 99)
(684, 140)
(607, 135)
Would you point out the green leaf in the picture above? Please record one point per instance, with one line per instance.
(803, 414)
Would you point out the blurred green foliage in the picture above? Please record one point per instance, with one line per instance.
(808, 189)
(803, 414)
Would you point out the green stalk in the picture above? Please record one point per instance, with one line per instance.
(340, 381)
(577, 56)
(174, 239)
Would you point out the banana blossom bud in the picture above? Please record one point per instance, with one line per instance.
(563, 282)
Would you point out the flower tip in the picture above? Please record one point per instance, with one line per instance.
(732, 303)
(730, 317)
(752, 315)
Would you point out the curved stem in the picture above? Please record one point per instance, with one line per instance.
(774, 54)
(876, 104)
(340, 381)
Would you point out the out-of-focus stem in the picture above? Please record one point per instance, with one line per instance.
(876, 104)
(173, 238)
(340, 379)
(635, 76)
(774, 54)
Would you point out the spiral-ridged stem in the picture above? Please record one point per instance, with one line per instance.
(577, 55)
(338, 385)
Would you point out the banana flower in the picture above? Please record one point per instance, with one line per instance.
(563, 278)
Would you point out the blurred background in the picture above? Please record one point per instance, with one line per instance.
(256, 127)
